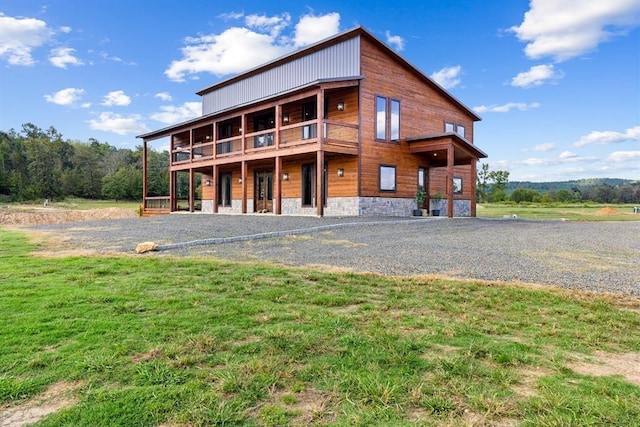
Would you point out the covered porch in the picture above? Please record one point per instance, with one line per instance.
(444, 152)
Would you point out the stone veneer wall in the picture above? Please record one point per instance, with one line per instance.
(386, 206)
(460, 207)
(351, 206)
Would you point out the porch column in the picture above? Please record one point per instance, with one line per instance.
(192, 190)
(172, 191)
(277, 186)
(243, 176)
(473, 186)
(144, 175)
(214, 182)
(319, 182)
(449, 186)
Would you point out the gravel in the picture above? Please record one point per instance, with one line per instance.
(595, 256)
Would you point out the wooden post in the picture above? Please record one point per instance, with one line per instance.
(472, 184)
(214, 182)
(144, 175)
(449, 186)
(319, 182)
(277, 186)
(192, 190)
(243, 176)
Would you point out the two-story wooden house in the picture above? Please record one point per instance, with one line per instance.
(343, 127)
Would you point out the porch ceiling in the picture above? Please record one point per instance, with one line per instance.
(435, 148)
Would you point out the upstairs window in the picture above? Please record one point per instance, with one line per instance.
(387, 119)
(455, 127)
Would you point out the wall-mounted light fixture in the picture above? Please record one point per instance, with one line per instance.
(240, 130)
(341, 106)
(208, 137)
(285, 176)
(207, 182)
(340, 172)
(285, 119)
(240, 180)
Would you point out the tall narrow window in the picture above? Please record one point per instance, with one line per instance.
(394, 126)
(387, 178)
(387, 119)
(422, 179)
(224, 189)
(308, 187)
(381, 118)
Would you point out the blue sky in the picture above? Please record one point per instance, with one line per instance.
(557, 86)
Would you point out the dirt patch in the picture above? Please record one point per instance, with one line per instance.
(58, 396)
(607, 211)
(31, 215)
(626, 365)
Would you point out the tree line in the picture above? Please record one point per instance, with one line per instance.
(493, 186)
(40, 164)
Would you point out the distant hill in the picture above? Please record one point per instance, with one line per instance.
(543, 187)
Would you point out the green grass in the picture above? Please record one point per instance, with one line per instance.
(573, 212)
(155, 340)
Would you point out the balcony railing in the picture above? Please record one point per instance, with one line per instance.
(333, 133)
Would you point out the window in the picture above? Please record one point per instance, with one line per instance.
(308, 187)
(224, 189)
(455, 127)
(381, 118)
(422, 178)
(387, 119)
(387, 178)
(457, 185)
(225, 131)
(308, 111)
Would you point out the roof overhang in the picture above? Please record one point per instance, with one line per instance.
(326, 83)
(437, 145)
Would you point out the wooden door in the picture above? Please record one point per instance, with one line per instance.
(263, 193)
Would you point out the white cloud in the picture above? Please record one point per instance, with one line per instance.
(312, 28)
(68, 96)
(396, 42)
(163, 96)
(448, 77)
(505, 108)
(566, 29)
(117, 98)
(19, 36)
(568, 155)
(623, 156)
(62, 56)
(117, 123)
(547, 146)
(536, 76)
(240, 48)
(609, 137)
(170, 114)
(270, 24)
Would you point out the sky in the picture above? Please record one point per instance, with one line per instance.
(556, 82)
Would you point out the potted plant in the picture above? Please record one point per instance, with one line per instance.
(436, 199)
(420, 196)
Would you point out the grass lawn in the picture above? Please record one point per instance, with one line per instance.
(573, 212)
(148, 341)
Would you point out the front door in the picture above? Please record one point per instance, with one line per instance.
(263, 193)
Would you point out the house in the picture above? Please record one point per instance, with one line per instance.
(343, 127)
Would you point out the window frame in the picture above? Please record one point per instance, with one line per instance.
(389, 121)
(453, 127)
(455, 188)
(394, 168)
(225, 179)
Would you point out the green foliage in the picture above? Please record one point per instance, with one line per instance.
(156, 340)
(491, 186)
(524, 195)
(37, 164)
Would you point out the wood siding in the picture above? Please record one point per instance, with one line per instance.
(423, 111)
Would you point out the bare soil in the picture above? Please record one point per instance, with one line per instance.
(34, 215)
(58, 396)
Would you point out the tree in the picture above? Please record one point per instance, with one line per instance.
(491, 185)
(524, 195)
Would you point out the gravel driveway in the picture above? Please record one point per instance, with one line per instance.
(598, 256)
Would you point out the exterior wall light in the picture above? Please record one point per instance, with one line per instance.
(285, 176)
(341, 106)
(239, 180)
(285, 119)
(340, 172)
(207, 182)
